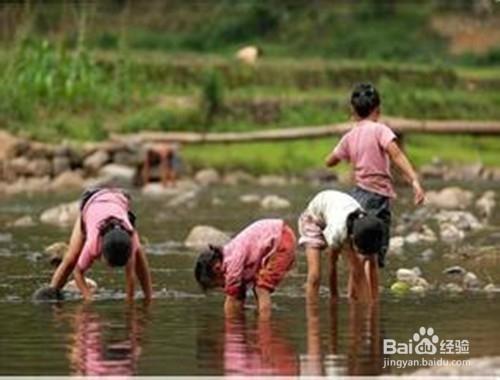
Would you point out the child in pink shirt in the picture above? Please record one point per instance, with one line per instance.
(105, 229)
(259, 256)
(370, 147)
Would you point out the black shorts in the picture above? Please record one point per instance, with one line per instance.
(379, 206)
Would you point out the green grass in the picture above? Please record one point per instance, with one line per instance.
(295, 157)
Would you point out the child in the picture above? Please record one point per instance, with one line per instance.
(335, 220)
(105, 228)
(368, 146)
(259, 256)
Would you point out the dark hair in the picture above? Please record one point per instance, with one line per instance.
(364, 99)
(116, 244)
(203, 270)
(366, 232)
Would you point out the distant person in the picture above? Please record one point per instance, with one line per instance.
(335, 221)
(370, 146)
(167, 157)
(259, 256)
(105, 228)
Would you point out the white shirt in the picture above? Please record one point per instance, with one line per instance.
(332, 208)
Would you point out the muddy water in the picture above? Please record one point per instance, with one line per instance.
(184, 332)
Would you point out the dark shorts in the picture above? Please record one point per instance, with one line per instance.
(379, 206)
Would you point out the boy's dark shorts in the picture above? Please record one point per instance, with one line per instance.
(379, 206)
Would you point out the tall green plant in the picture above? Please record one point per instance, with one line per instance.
(212, 97)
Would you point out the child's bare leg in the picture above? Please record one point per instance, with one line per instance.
(313, 274)
(263, 303)
(333, 257)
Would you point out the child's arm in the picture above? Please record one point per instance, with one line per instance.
(399, 158)
(82, 284)
(331, 160)
(264, 303)
(232, 306)
(64, 269)
(143, 274)
(130, 278)
(334, 254)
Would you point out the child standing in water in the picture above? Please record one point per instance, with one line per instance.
(335, 221)
(259, 256)
(104, 228)
(370, 146)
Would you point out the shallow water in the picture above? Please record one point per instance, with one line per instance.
(184, 333)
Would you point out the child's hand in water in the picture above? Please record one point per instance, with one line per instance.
(419, 193)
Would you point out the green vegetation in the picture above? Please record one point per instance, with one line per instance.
(80, 72)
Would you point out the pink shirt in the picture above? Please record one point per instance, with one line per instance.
(101, 206)
(365, 147)
(245, 253)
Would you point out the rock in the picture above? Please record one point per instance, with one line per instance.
(400, 288)
(20, 166)
(56, 252)
(471, 282)
(462, 220)
(250, 198)
(455, 270)
(450, 233)
(68, 181)
(427, 255)
(320, 176)
(450, 198)
(25, 221)
(126, 158)
(425, 235)
(417, 289)
(63, 215)
(119, 173)
(71, 286)
(452, 288)
(60, 164)
(432, 171)
(47, 294)
(248, 54)
(158, 190)
(216, 201)
(207, 177)
(8, 145)
(491, 288)
(40, 167)
(201, 236)
(272, 180)
(273, 202)
(184, 198)
(238, 178)
(27, 185)
(422, 283)
(486, 204)
(417, 271)
(5, 238)
(408, 276)
(396, 245)
(96, 161)
(464, 172)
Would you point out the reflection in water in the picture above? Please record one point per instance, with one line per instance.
(363, 355)
(243, 348)
(98, 347)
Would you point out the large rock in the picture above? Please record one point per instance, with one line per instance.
(201, 236)
(273, 202)
(207, 177)
(486, 204)
(8, 144)
(238, 177)
(96, 160)
(464, 172)
(450, 233)
(56, 252)
(68, 181)
(248, 54)
(71, 286)
(184, 199)
(462, 220)
(60, 164)
(451, 198)
(63, 215)
(424, 235)
(25, 221)
(471, 282)
(40, 167)
(26, 185)
(272, 180)
(20, 166)
(120, 174)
